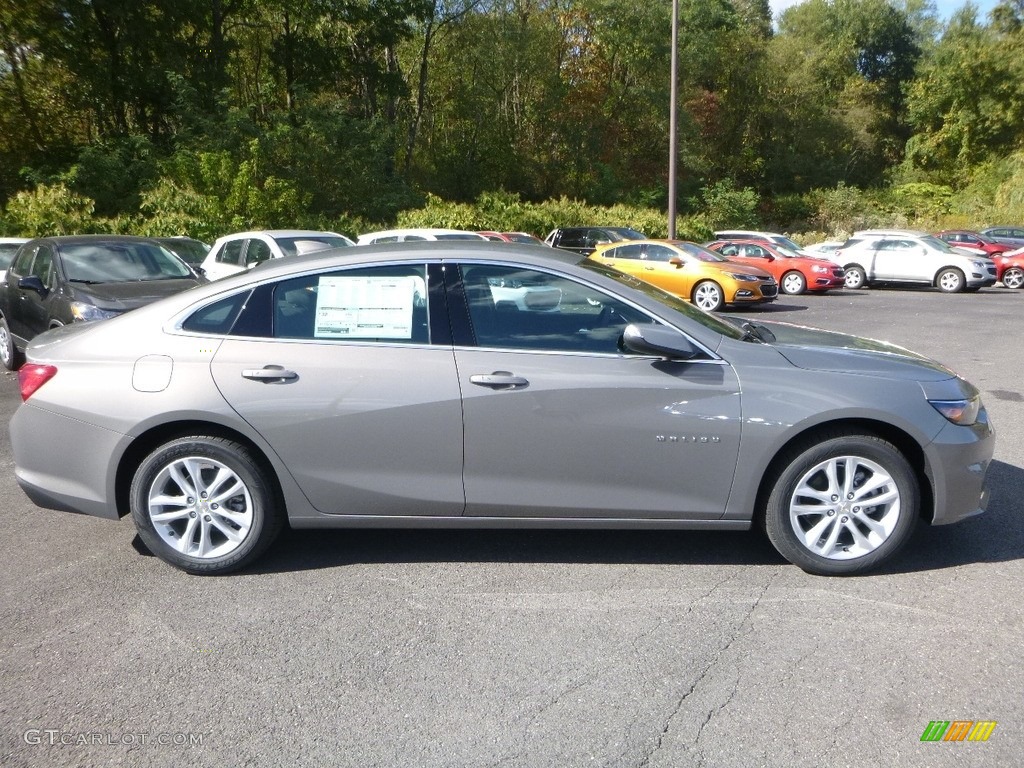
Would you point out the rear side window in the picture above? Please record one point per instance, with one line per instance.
(218, 317)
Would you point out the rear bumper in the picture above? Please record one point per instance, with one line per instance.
(65, 464)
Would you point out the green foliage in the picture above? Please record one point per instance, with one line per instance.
(726, 206)
(50, 210)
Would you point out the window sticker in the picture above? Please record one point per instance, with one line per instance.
(366, 307)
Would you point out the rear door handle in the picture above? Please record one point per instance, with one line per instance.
(499, 380)
(270, 374)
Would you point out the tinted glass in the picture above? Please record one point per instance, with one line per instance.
(310, 243)
(120, 263)
(217, 317)
(7, 251)
(387, 304)
(191, 251)
(522, 308)
(625, 252)
(231, 253)
(460, 236)
(661, 253)
(257, 252)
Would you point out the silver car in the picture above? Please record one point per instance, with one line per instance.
(458, 385)
(910, 257)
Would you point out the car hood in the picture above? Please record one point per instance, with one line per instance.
(817, 350)
(130, 295)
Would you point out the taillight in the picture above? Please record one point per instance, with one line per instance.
(32, 376)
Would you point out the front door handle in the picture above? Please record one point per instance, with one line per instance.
(499, 380)
(270, 374)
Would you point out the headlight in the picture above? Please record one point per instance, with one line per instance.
(80, 312)
(743, 278)
(820, 268)
(978, 264)
(963, 412)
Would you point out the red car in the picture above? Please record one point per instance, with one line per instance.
(795, 274)
(965, 238)
(1010, 268)
(512, 237)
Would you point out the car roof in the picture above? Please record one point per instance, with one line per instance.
(86, 239)
(891, 232)
(419, 231)
(275, 233)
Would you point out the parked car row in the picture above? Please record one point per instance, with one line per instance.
(60, 280)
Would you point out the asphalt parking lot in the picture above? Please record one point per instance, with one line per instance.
(534, 648)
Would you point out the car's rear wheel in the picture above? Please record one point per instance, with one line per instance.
(950, 280)
(9, 354)
(842, 505)
(708, 295)
(202, 504)
(1013, 277)
(855, 277)
(793, 283)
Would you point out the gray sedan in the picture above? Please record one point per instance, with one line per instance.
(481, 385)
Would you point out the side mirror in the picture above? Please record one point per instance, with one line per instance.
(676, 262)
(33, 283)
(658, 340)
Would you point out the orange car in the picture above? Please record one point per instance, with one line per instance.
(796, 274)
(689, 271)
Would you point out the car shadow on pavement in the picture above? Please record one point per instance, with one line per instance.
(996, 536)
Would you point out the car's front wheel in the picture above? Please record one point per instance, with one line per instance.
(708, 296)
(855, 277)
(793, 283)
(9, 354)
(202, 504)
(842, 505)
(1013, 277)
(950, 280)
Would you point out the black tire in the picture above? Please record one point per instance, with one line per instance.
(1014, 278)
(204, 464)
(855, 277)
(9, 354)
(708, 295)
(793, 283)
(950, 280)
(843, 516)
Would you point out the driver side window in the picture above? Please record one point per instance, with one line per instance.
(521, 308)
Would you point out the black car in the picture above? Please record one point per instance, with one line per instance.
(60, 280)
(585, 239)
(185, 248)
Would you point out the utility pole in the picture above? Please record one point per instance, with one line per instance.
(672, 109)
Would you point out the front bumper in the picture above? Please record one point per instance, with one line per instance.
(958, 461)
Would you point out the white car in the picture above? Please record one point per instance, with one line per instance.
(824, 248)
(911, 257)
(8, 247)
(244, 250)
(773, 238)
(417, 234)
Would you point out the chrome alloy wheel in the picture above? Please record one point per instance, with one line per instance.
(1013, 277)
(200, 507)
(844, 507)
(708, 296)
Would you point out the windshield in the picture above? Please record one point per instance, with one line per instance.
(121, 263)
(939, 244)
(699, 252)
(192, 251)
(310, 243)
(625, 233)
(785, 242)
(706, 319)
(522, 237)
(460, 236)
